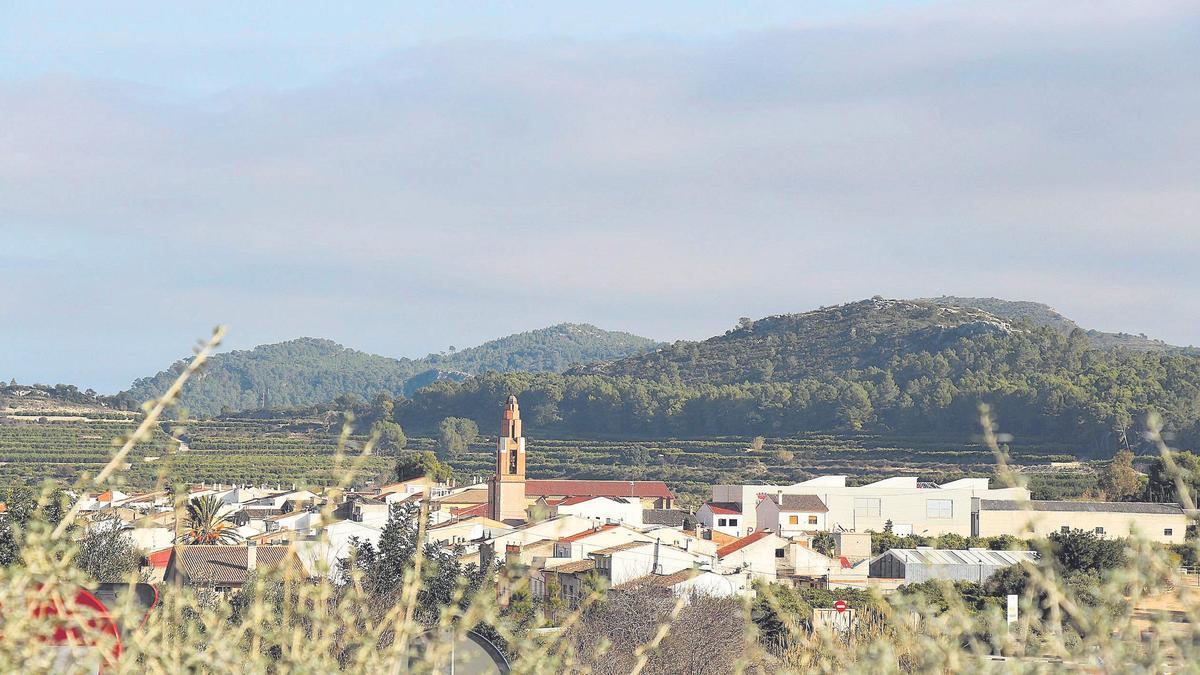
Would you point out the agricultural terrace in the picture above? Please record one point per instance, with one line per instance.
(288, 451)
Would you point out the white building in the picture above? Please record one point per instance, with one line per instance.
(597, 509)
(912, 507)
(755, 556)
(636, 559)
(724, 517)
(791, 515)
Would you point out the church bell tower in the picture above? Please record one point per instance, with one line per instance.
(506, 490)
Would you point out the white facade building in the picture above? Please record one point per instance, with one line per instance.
(791, 515)
(723, 517)
(911, 506)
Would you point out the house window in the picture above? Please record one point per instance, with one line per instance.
(1168, 532)
(1100, 531)
(721, 522)
(733, 522)
(793, 520)
(939, 508)
(779, 553)
(866, 507)
(812, 520)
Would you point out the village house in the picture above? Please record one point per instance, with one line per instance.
(723, 517)
(753, 557)
(597, 509)
(687, 584)
(227, 568)
(790, 515)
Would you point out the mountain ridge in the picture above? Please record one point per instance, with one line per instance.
(308, 370)
(1042, 314)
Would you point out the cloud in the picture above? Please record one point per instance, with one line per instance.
(454, 192)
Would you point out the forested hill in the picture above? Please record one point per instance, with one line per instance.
(828, 341)
(1040, 314)
(878, 364)
(552, 349)
(310, 370)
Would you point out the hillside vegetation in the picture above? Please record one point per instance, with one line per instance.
(883, 365)
(310, 370)
(1040, 314)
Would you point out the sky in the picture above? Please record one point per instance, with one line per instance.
(401, 178)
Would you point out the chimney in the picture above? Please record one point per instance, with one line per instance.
(251, 555)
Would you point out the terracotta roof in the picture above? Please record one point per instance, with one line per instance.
(725, 508)
(587, 533)
(803, 503)
(720, 538)
(160, 558)
(467, 497)
(477, 510)
(621, 547)
(224, 564)
(574, 567)
(742, 543)
(579, 499)
(598, 488)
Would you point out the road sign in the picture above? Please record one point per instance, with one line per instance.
(840, 606)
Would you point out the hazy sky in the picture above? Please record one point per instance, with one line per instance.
(401, 179)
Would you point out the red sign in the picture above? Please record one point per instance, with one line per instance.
(83, 619)
(840, 606)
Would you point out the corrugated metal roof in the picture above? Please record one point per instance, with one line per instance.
(1078, 507)
(974, 556)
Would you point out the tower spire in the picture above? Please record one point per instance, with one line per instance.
(506, 490)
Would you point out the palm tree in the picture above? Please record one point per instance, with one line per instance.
(206, 524)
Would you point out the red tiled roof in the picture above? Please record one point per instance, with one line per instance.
(578, 499)
(227, 564)
(160, 558)
(598, 488)
(580, 535)
(725, 508)
(742, 543)
(477, 510)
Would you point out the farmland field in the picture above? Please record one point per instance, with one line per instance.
(285, 451)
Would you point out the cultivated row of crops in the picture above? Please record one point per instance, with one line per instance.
(285, 451)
